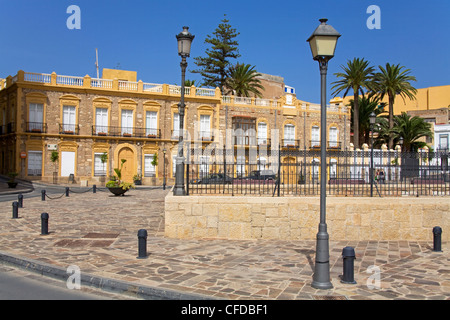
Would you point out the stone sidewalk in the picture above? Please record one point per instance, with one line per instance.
(98, 233)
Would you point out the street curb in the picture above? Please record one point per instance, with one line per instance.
(105, 284)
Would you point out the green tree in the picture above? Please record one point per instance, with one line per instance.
(357, 76)
(411, 129)
(367, 105)
(391, 81)
(214, 67)
(242, 80)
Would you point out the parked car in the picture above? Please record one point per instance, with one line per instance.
(213, 178)
(261, 175)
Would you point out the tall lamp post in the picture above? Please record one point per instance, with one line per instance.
(164, 169)
(184, 39)
(323, 43)
(372, 118)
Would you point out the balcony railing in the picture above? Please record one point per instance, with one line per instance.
(36, 127)
(112, 131)
(65, 128)
(8, 128)
(331, 145)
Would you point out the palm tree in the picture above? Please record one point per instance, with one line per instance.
(391, 81)
(411, 129)
(367, 105)
(357, 75)
(242, 80)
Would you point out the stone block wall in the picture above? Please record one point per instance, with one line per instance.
(297, 218)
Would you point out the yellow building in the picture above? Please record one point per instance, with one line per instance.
(86, 120)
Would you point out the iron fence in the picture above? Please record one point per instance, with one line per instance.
(287, 171)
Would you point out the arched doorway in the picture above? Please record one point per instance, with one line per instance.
(128, 169)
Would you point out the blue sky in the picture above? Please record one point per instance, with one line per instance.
(140, 36)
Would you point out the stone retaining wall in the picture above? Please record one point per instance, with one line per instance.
(297, 218)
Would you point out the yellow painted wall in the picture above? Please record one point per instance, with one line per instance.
(426, 99)
(119, 74)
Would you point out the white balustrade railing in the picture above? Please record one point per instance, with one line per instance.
(242, 100)
(128, 85)
(37, 77)
(69, 80)
(152, 87)
(177, 90)
(205, 92)
(101, 83)
(262, 102)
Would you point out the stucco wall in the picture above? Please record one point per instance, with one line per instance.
(297, 218)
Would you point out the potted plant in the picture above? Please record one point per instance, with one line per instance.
(116, 185)
(137, 179)
(54, 158)
(12, 181)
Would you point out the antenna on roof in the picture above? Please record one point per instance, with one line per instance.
(96, 61)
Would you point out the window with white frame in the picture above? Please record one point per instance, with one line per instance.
(443, 141)
(99, 166)
(149, 168)
(262, 133)
(289, 135)
(151, 123)
(36, 117)
(333, 136)
(101, 120)
(69, 119)
(315, 136)
(205, 126)
(176, 125)
(127, 122)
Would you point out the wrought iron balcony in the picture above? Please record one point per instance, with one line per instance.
(69, 128)
(112, 131)
(36, 127)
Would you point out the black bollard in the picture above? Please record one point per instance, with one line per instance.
(348, 255)
(437, 241)
(20, 200)
(94, 188)
(142, 243)
(15, 210)
(43, 195)
(44, 223)
(67, 191)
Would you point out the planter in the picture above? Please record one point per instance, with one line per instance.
(138, 182)
(117, 191)
(12, 184)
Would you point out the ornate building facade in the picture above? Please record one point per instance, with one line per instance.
(89, 124)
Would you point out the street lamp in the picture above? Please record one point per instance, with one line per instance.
(372, 118)
(164, 169)
(323, 43)
(184, 39)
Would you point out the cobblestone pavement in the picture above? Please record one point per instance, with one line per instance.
(98, 233)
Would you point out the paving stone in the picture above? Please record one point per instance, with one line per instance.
(98, 233)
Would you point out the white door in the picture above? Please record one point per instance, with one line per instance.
(67, 163)
(34, 163)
